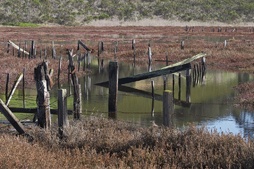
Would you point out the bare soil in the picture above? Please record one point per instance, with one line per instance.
(234, 54)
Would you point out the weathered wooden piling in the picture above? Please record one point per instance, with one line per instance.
(188, 85)
(53, 50)
(182, 44)
(32, 55)
(113, 89)
(76, 88)
(23, 88)
(152, 85)
(133, 46)
(62, 111)
(179, 86)
(59, 72)
(43, 85)
(149, 52)
(168, 108)
(7, 86)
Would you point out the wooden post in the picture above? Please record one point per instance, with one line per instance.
(8, 47)
(168, 107)
(32, 49)
(84, 64)
(59, 71)
(76, 88)
(182, 44)
(188, 85)
(173, 85)
(15, 85)
(53, 50)
(23, 88)
(149, 55)
(19, 52)
(152, 112)
(166, 58)
(100, 48)
(113, 89)
(43, 85)
(7, 87)
(11, 118)
(62, 111)
(179, 86)
(133, 46)
(225, 43)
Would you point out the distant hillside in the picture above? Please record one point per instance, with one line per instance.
(78, 12)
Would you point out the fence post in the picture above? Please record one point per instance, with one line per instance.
(7, 86)
(152, 112)
(23, 88)
(188, 85)
(179, 86)
(43, 84)
(113, 89)
(168, 107)
(149, 55)
(62, 111)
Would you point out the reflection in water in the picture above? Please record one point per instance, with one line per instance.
(211, 102)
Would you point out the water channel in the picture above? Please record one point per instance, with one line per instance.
(211, 100)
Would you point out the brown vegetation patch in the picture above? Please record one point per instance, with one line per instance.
(101, 143)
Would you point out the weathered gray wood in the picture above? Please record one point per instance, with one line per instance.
(152, 84)
(32, 50)
(179, 66)
(113, 88)
(34, 110)
(14, 88)
(53, 50)
(23, 87)
(7, 86)
(59, 72)
(76, 88)
(62, 110)
(179, 86)
(43, 83)
(17, 47)
(182, 44)
(83, 45)
(188, 85)
(149, 52)
(11, 118)
(168, 107)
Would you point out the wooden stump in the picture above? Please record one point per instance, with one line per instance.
(43, 86)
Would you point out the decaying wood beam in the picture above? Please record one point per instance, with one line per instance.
(17, 47)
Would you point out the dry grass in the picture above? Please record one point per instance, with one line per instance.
(97, 142)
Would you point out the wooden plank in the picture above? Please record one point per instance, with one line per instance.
(148, 75)
(83, 45)
(14, 88)
(179, 66)
(34, 110)
(11, 118)
(17, 47)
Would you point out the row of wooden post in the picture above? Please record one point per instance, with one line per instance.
(168, 105)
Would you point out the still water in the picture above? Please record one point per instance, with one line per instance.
(211, 100)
